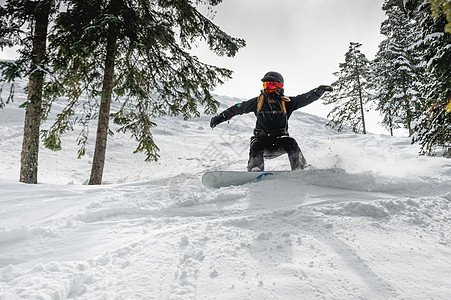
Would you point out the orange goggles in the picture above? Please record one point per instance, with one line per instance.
(272, 85)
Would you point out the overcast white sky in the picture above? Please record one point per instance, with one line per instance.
(304, 40)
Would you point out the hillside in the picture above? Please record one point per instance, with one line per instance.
(370, 220)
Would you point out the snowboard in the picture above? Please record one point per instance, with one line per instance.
(217, 179)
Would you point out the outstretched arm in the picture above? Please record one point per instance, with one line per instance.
(237, 109)
(311, 96)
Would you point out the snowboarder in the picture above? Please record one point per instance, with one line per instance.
(272, 109)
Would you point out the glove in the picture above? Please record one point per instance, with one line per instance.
(322, 89)
(216, 120)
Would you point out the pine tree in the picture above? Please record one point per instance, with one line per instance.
(25, 24)
(434, 127)
(384, 86)
(399, 74)
(136, 52)
(351, 91)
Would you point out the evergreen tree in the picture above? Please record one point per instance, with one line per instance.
(434, 127)
(25, 24)
(138, 53)
(351, 91)
(384, 86)
(399, 74)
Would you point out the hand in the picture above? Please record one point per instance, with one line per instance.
(216, 120)
(322, 89)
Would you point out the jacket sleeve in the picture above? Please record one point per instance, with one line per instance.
(240, 108)
(304, 99)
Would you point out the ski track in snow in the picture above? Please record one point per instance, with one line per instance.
(370, 220)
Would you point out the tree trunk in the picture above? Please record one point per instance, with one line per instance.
(98, 162)
(359, 85)
(30, 144)
(390, 122)
(362, 110)
(406, 100)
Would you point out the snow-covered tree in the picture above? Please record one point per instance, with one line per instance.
(351, 91)
(399, 73)
(434, 127)
(383, 87)
(25, 24)
(137, 52)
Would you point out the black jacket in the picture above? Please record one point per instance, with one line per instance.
(271, 120)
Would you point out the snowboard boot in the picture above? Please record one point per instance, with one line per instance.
(297, 160)
(256, 164)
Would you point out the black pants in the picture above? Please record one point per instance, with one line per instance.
(270, 147)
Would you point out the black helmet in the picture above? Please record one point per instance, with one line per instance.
(273, 76)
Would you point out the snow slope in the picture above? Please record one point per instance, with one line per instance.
(371, 220)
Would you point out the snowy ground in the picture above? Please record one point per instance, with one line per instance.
(371, 221)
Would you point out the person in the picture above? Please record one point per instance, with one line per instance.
(272, 109)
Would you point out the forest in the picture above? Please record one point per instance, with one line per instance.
(408, 82)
